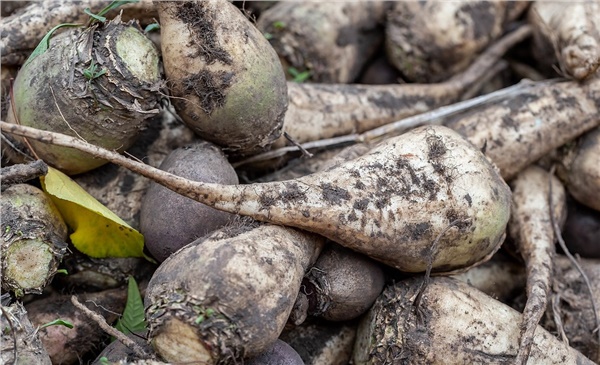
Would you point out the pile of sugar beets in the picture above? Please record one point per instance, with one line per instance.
(316, 182)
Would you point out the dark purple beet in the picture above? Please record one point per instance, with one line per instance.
(582, 230)
(170, 221)
(280, 353)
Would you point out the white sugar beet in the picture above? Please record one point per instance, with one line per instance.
(428, 188)
(454, 324)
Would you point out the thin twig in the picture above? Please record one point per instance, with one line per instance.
(563, 246)
(493, 72)
(15, 148)
(293, 141)
(556, 312)
(20, 173)
(137, 349)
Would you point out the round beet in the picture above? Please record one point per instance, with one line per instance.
(170, 221)
(280, 353)
(98, 84)
(343, 284)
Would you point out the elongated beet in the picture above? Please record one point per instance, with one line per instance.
(454, 324)
(509, 131)
(318, 111)
(531, 227)
(369, 204)
(228, 296)
(425, 197)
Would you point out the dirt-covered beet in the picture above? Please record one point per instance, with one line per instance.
(566, 37)
(430, 41)
(170, 221)
(342, 284)
(425, 199)
(98, 83)
(227, 296)
(450, 322)
(317, 111)
(225, 78)
(330, 40)
(33, 241)
(518, 130)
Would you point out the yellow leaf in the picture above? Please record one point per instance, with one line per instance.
(97, 231)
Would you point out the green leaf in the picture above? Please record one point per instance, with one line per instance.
(97, 17)
(62, 271)
(133, 319)
(278, 24)
(151, 27)
(268, 36)
(293, 72)
(97, 231)
(57, 322)
(100, 16)
(92, 71)
(45, 42)
(298, 76)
